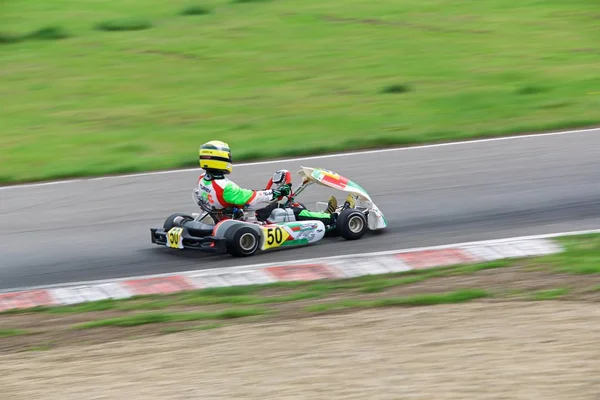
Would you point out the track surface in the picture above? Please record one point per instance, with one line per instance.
(99, 229)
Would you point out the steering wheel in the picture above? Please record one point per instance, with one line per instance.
(281, 177)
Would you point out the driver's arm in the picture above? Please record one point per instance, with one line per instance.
(233, 194)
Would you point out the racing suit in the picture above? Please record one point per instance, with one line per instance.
(221, 194)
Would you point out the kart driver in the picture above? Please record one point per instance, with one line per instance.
(222, 195)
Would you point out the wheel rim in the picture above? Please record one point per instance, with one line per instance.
(356, 224)
(247, 242)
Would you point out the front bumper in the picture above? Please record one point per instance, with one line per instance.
(188, 241)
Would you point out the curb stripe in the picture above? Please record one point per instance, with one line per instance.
(29, 299)
(347, 266)
(253, 267)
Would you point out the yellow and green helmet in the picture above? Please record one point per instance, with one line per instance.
(215, 156)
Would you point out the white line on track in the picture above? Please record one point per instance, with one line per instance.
(319, 157)
(304, 261)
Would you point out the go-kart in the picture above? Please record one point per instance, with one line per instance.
(240, 234)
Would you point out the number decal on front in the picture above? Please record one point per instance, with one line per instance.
(174, 238)
(275, 236)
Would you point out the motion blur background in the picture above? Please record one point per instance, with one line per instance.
(105, 87)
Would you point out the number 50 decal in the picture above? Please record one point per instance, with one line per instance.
(275, 236)
(174, 238)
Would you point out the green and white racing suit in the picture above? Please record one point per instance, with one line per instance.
(221, 194)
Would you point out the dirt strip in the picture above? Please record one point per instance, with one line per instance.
(482, 350)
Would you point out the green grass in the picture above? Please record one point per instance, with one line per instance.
(13, 332)
(338, 75)
(124, 25)
(459, 296)
(248, 1)
(378, 283)
(396, 88)
(194, 10)
(549, 294)
(92, 306)
(48, 33)
(9, 38)
(581, 256)
(204, 327)
(157, 318)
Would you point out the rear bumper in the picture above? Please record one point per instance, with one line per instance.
(205, 243)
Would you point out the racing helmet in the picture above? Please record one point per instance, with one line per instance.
(215, 156)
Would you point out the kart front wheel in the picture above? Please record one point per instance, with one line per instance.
(241, 241)
(352, 224)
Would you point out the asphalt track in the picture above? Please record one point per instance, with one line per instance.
(431, 195)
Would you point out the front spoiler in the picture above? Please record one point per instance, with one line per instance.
(204, 243)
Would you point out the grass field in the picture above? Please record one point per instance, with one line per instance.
(112, 86)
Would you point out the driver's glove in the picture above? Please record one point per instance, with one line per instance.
(282, 191)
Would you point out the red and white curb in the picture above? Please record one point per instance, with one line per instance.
(306, 270)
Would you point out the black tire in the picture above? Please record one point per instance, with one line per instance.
(169, 221)
(352, 224)
(241, 241)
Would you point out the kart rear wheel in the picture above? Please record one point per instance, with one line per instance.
(170, 221)
(352, 224)
(241, 241)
